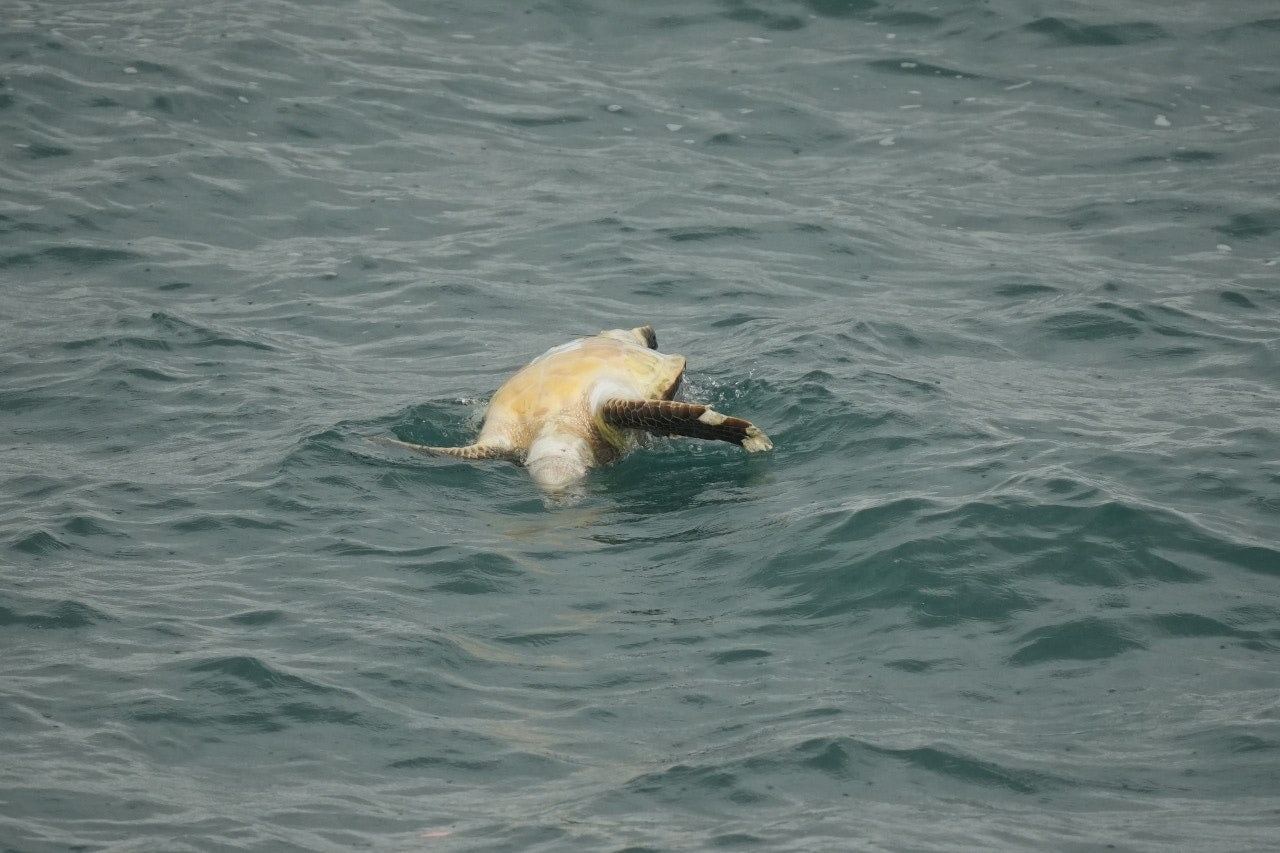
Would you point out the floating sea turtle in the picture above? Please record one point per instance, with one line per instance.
(585, 403)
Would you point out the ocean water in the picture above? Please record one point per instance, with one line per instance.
(998, 278)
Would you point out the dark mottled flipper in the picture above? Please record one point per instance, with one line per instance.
(649, 336)
(666, 417)
(471, 451)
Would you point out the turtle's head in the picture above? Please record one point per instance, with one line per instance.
(557, 461)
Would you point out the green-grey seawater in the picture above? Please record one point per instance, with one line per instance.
(999, 279)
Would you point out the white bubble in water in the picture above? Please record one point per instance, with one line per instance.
(1161, 121)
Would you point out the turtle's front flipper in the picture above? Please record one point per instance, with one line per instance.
(667, 417)
(646, 334)
(471, 451)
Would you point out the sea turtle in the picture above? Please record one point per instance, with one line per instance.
(585, 403)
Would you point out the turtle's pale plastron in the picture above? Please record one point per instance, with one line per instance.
(585, 403)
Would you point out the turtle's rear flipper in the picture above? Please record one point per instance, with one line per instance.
(471, 451)
(667, 417)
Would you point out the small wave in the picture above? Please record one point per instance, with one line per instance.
(973, 561)
(80, 256)
(228, 520)
(1068, 32)
(914, 67)
(233, 674)
(61, 615)
(188, 332)
(38, 543)
(1075, 640)
(1248, 226)
(1088, 326)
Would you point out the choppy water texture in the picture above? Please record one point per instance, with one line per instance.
(1000, 282)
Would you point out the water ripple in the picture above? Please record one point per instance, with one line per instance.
(999, 283)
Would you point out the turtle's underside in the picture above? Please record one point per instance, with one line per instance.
(585, 403)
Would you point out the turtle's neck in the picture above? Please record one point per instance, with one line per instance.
(558, 459)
